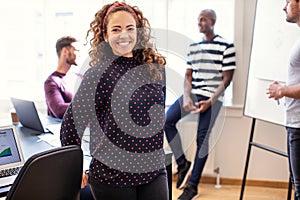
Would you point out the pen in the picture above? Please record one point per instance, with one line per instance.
(278, 102)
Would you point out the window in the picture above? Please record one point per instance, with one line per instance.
(28, 36)
(182, 18)
(28, 40)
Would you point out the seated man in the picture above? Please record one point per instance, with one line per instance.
(58, 97)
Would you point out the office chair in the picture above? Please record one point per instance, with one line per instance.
(51, 175)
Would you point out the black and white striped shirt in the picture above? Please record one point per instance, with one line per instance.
(208, 59)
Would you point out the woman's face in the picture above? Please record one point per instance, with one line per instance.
(121, 33)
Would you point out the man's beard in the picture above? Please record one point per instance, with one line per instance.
(71, 62)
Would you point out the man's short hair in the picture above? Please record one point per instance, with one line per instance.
(64, 42)
(211, 12)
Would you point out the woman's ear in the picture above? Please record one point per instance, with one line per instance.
(105, 38)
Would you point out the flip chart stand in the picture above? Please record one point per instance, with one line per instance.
(252, 143)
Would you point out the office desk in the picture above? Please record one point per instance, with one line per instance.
(31, 144)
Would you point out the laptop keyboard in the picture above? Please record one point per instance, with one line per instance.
(9, 172)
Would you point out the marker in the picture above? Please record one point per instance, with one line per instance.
(278, 102)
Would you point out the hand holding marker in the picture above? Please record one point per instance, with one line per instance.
(272, 91)
(278, 102)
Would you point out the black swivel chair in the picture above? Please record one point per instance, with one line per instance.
(51, 175)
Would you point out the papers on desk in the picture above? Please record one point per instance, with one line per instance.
(50, 138)
(54, 128)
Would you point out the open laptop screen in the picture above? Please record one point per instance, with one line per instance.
(9, 152)
(27, 114)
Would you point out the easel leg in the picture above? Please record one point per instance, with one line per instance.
(289, 195)
(247, 158)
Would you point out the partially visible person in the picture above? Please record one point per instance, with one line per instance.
(121, 98)
(58, 96)
(210, 68)
(85, 191)
(291, 92)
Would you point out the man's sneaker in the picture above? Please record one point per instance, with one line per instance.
(189, 193)
(183, 174)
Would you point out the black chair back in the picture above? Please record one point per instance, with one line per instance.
(51, 175)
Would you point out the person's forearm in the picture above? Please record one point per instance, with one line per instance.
(292, 91)
(227, 78)
(187, 87)
(188, 83)
(218, 93)
(58, 109)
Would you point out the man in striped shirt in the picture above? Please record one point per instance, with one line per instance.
(210, 68)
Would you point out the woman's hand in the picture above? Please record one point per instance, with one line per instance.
(85, 179)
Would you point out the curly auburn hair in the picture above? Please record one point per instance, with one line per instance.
(144, 51)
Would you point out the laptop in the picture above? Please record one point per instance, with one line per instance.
(29, 117)
(11, 155)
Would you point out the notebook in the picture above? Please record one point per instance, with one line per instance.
(11, 155)
(29, 117)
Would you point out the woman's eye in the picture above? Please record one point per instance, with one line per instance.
(115, 30)
(131, 29)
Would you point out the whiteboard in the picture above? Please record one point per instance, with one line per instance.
(273, 39)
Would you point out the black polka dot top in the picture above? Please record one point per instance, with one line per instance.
(124, 111)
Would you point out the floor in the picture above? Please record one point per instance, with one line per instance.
(232, 192)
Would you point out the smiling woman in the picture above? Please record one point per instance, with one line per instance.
(122, 99)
